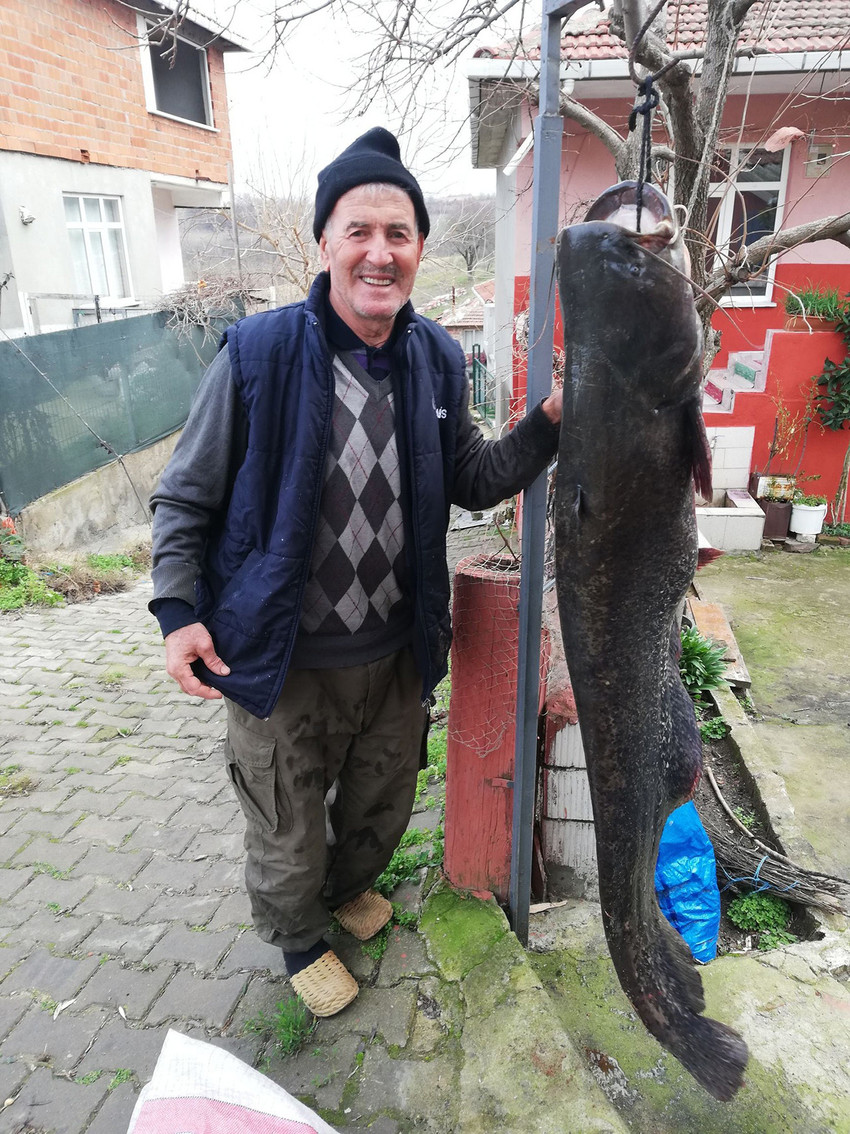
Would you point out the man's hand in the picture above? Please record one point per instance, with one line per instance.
(186, 645)
(552, 406)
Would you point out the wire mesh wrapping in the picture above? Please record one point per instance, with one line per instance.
(485, 615)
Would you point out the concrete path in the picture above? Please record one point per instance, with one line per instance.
(791, 618)
(122, 913)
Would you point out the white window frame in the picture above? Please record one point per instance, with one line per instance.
(728, 194)
(87, 228)
(143, 25)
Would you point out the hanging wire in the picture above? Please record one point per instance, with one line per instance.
(650, 100)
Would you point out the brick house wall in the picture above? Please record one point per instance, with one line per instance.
(72, 87)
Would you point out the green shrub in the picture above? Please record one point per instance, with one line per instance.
(715, 729)
(764, 914)
(701, 664)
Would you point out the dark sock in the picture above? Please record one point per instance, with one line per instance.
(295, 962)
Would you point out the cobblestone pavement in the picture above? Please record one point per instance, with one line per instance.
(122, 903)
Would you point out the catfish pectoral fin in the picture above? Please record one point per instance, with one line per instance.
(700, 449)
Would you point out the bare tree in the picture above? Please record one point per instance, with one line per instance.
(465, 227)
(407, 39)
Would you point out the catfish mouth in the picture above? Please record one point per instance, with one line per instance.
(618, 205)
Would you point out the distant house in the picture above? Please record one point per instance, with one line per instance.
(106, 133)
(798, 82)
(465, 323)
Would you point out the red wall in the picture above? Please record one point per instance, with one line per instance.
(795, 357)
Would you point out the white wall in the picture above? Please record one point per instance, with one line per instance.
(39, 254)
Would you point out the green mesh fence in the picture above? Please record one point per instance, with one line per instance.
(130, 381)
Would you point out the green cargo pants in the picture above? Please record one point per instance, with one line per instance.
(361, 726)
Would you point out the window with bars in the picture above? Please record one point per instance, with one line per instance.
(746, 202)
(98, 246)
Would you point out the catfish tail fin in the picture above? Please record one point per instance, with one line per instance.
(700, 450)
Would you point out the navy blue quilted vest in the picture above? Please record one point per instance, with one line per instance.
(256, 564)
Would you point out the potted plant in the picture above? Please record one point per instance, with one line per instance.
(807, 515)
(775, 502)
(812, 308)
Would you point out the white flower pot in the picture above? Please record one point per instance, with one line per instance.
(807, 519)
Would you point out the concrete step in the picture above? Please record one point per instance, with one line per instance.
(712, 623)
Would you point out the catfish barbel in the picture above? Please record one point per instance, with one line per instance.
(632, 447)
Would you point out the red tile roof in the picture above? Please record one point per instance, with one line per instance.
(772, 25)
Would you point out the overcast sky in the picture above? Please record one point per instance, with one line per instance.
(291, 117)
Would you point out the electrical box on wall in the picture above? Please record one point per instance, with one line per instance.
(819, 160)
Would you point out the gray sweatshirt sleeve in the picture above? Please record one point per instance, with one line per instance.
(195, 487)
(487, 472)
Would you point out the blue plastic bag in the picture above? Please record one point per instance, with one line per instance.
(686, 881)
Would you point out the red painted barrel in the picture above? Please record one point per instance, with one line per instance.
(482, 719)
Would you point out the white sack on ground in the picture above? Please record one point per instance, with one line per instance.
(201, 1088)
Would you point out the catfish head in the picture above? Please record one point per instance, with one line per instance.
(628, 294)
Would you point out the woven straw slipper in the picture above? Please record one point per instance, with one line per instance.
(326, 986)
(365, 915)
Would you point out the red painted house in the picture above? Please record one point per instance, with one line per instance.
(797, 78)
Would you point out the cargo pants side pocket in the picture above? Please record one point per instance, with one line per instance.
(252, 769)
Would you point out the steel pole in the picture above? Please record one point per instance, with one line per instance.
(548, 132)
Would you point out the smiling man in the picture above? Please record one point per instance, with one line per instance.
(299, 551)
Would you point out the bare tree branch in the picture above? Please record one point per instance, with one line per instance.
(751, 260)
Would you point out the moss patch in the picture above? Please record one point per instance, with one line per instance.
(459, 930)
(645, 1083)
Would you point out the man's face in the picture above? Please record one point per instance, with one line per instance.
(372, 250)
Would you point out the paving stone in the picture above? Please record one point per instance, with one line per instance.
(44, 888)
(118, 901)
(55, 931)
(95, 829)
(190, 996)
(321, 1072)
(61, 1041)
(180, 877)
(199, 948)
(11, 881)
(115, 984)
(351, 952)
(142, 807)
(189, 909)
(10, 919)
(405, 957)
(54, 1105)
(103, 803)
(234, 909)
(59, 978)
(390, 1084)
(409, 894)
(130, 942)
(120, 1045)
(12, 1077)
(122, 782)
(250, 954)
(117, 1110)
(12, 845)
(56, 855)
(12, 953)
(150, 836)
(215, 845)
(12, 1008)
(204, 816)
(115, 865)
(387, 1012)
(224, 877)
(54, 826)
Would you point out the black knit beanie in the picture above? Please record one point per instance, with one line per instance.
(374, 156)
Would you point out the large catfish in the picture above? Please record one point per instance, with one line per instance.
(632, 447)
